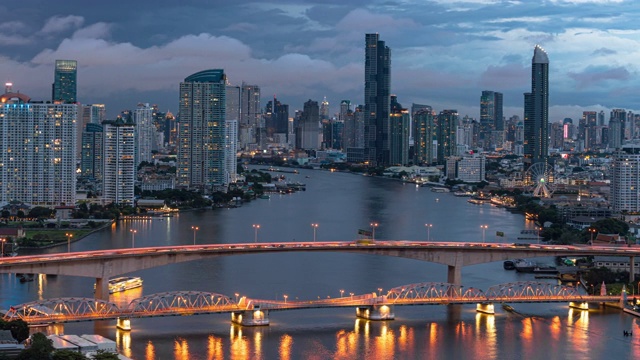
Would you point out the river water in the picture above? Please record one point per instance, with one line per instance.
(340, 204)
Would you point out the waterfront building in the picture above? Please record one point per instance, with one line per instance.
(347, 117)
(377, 85)
(64, 86)
(625, 179)
(469, 168)
(536, 110)
(399, 133)
(201, 141)
(38, 150)
(92, 152)
(119, 168)
(424, 131)
(145, 133)
(446, 135)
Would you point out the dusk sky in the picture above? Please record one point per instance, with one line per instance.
(444, 52)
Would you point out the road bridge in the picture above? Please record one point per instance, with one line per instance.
(104, 264)
(253, 312)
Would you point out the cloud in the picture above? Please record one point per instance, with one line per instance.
(93, 31)
(58, 24)
(505, 77)
(597, 75)
(14, 40)
(362, 21)
(604, 51)
(12, 26)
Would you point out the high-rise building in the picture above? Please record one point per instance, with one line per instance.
(145, 133)
(233, 101)
(231, 150)
(308, 130)
(38, 150)
(119, 168)
(536, 109)
(92, 153)
(617, 136)
(201, 163)
(64, 81)
(324, 109)
(377, 85)
(251, 111)
(91, 114)
(277, 118)
(446, 135)
(491, 118)
(424, 131)
(589, 121)
(625, 179)
(398, 134)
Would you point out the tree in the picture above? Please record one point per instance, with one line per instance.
(41, 348)
(41, 212)
(68, 355)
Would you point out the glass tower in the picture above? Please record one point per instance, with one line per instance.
(64, 81)
(536, 109)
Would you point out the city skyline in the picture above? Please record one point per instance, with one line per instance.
(443, 56)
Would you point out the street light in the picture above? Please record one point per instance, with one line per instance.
(133, 237)
(315, 227)
(592, 231)
(256, 227)
(194, 228)
(342, 291)
(374, 225)
(484, 228)
(2, 253)
(428, 226)
(69, 236)
(285, 296)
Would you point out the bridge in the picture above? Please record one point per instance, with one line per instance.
(104, 264)
(254, 312)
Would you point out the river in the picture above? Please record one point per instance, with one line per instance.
(340, 204)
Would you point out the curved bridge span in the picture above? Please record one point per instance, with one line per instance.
(180, 303)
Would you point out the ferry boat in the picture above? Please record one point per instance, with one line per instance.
(476, 201)
(440, 189)
(123, 283)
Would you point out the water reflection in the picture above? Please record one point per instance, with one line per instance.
(181, 349)
(150, 351)
(123, 342)
(285, 347)
(124, 298)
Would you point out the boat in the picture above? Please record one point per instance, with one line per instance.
(476, 201)
(26, 278)
(264, 197)
(545, 269)
(524, 266)
(440, 189)
(123, 283)
(509, 265)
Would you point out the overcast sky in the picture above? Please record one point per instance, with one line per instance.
(444, 52)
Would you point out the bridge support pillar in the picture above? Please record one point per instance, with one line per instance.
(375, 312)
(255, 317)
(486, 308)
(632, 270)
(454, 274)
(102, 289)
(579, 305)
(123, 324)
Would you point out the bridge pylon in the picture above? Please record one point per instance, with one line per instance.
(123, 324)
(251, 317)
(376, 312)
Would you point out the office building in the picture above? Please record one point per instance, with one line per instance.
(308, 128)
(231, 150)
(536, 110)
(201, 163)
(377, 85)
(64, 86)
(119, 168)
(38, 150)
(625, 179)
(491, 118)
(90, 114)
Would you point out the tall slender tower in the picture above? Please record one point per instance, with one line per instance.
(201, 143)
(536, 110)
(377, 84)
(64, 81)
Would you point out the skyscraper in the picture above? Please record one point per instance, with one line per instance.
(119, 169)
(617, 128)
(145, 132)
(37, 151)
(424, 131)
(377, 85)
(398, 134)
(231, 149)
(625, 179)
(64, 81)
(491, 118)
(308, 134)
(446, 134)
(201, 142)
(92, 143)
(536, 109)
(90, 114)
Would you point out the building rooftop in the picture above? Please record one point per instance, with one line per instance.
(539, 56)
